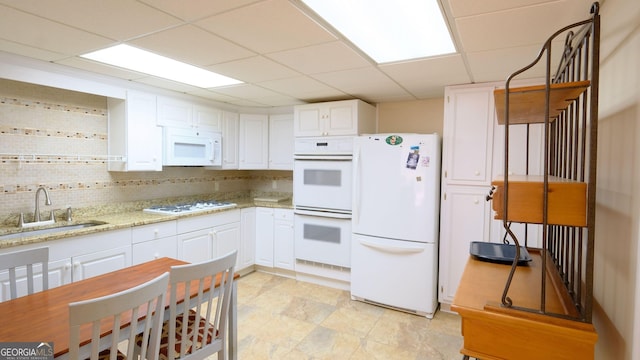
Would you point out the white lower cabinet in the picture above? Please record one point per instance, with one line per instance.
(247, 238)
(465, 217)
(274, 238)
(76, 258)
(154, 241)
(201, 238)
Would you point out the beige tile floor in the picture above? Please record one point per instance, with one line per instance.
(281, 318)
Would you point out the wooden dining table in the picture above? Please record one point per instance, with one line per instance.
(44, 316)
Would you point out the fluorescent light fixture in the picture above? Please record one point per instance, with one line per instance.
(386, 30)
(146, 62)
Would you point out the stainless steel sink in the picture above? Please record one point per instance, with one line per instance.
(49, 230)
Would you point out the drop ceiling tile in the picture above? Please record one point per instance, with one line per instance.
(186, 43)
(428, 77)
(115, 19)
(268, 26)
(36, 32)
(301, 87)
(517, 27)
(462, 8)
(245, 91)
(196, 9)
(497, 65)
(366, 83)
(28, 51)
(321, 58)
(254, 69)
(212, 95)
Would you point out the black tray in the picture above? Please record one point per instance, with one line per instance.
(498, 253)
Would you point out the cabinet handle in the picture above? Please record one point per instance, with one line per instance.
(156, 232)
(156, 256)
(476, 173)
(67, 266)
(76, 264)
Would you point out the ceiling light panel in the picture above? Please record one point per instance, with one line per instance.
(389, 31)
(139, 60)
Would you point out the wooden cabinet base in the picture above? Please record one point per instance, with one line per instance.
(492, 331)
(496, 334)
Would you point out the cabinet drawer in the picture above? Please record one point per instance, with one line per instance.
(207, 221)
(153, 231)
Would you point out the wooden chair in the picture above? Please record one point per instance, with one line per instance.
(107, 313)
(27, 259)
(200, 331)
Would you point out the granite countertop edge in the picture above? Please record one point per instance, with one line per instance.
(126, 219)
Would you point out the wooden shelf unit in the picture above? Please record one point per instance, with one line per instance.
(543, 310)
(567, 200)
(527, 104)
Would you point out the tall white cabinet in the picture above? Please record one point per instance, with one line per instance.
(467, 152)
(472, 155)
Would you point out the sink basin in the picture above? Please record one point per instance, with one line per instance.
(50, 230)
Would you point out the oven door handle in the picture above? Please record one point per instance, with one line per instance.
(327, 214)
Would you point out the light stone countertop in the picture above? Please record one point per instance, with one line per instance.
(119, 219)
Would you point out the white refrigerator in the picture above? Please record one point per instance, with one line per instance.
(396, 197)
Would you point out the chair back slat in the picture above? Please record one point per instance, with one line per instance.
(107, 314)
(24, 261)
(203, 326)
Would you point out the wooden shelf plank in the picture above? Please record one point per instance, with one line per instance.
(526, 104)
(567, 200)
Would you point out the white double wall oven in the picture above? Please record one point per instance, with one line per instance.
(322, 187)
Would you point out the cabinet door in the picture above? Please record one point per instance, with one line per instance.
(226, 238)
(264, 236)
(207, 118)
(465, 217)
(468, 135)
(283, 241)
(308, 120)
(281, 142)
(247, 253)
(174, 112)
(101, 262)
(230, 133)
(133, 133)
(341, 118)
(254, 141)
(195, 246)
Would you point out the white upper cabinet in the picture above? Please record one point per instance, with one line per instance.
(468, 135)
(133, 133)
(281, 142)
(254, 141)
(230, 133)
(348, 117)
(181, 113)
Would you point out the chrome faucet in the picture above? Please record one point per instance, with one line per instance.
(47, 201)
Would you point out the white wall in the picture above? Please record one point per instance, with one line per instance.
(617, 275)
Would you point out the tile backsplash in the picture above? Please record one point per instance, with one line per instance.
(58, 139)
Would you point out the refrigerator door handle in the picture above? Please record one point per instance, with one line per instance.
(392, 249)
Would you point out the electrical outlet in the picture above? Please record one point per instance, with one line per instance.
(216, 186)
(274, 184)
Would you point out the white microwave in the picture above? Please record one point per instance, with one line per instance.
(191, 147)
